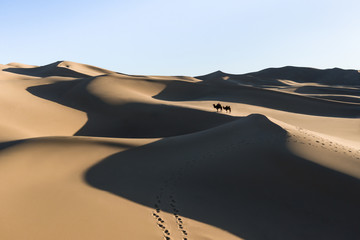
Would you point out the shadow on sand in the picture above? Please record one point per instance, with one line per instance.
(253, 192)
(230, 92)
(138, 120)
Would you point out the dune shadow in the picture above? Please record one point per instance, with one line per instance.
(4, 145)
(256, 194)
(142, 120)
(328, 90)
(139, 120)
(343, 94)
(231, 92)
(332, 77)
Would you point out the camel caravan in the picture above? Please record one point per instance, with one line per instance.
(218, 108)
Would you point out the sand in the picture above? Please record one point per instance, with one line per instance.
(89, 153)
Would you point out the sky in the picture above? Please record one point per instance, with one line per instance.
(182, 37)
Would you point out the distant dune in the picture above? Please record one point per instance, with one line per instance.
(89, 153)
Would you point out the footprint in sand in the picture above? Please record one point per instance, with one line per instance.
(157, 213)
(178, 220)
(169, 186)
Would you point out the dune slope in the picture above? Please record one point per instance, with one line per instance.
(241, 177)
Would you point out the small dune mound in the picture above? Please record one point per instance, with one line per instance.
(57, 69)
(218, 75)
(19, 65)
(84, 68)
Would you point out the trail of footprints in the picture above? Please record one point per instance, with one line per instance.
(179, 221)
(168, 198)
(319, 142)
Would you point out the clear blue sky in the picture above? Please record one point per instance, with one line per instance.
(182, 37)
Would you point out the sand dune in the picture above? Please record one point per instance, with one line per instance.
(88, 153)
(273, 76)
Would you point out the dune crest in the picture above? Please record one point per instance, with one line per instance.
(89, 153)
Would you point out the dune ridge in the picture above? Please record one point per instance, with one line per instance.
(334, 76)
(89, 153)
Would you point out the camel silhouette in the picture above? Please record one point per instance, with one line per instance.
(218, 106)
(227, 108)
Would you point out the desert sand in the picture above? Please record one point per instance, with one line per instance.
(88, 153)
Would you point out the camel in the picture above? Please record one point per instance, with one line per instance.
(218, 106)
(227, 108)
